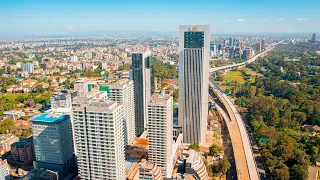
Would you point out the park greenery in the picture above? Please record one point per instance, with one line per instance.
(6, 125)
(164, 71)
(20, 100)
(280, 103)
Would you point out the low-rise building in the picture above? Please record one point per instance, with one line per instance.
(149, 171)
(61, 99)
(190, 163)
(5, 142)
(41, 174)
(13, 114)
(22, 150)
(28, 82)
(17, 89)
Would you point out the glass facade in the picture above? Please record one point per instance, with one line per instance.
(193, 39)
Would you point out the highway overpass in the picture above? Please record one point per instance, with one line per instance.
(244, 160)
(243, 64)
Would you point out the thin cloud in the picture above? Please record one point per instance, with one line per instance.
(225, 21)
(266, 19)
(302, 19)
(279, 19)
(241, 20)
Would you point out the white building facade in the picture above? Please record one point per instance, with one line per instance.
(194, 47)
(99, 138)
(123, 93)
(160, 116)
(27, 67)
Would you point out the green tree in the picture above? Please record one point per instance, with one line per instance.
(281, 173)
(314, 150)
(175, 95)
(299, 172)
(215, 149)
(224, 164)
(27, 133)
(195, 146)
(6, 125)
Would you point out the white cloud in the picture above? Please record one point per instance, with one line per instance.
(279, 19)
(225, 21)
(241, 20)
(302, 19)
(266, 19)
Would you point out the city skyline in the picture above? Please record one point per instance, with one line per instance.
(57, 18)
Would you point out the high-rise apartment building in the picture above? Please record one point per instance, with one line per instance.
(240, 45)
(52, 138)
(123, 93)
(313, 38)
(258, 47)
(141, 71)
(194, 44)
(99, 138)
(27, 67)
(263, 44)
(160, 118)
(231, 42)
(4, 170)
(74, 59)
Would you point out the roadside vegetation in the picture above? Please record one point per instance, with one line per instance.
(283, 106)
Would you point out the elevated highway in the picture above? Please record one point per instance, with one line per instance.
(237, 138)
(244, 160)
(243, 64)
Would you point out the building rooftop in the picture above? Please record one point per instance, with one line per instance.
(3, 162)
(41, 174)
(7, 136)
(119, 84)
(50, 118)
(193, 156)
(13, 112)
(102, 105)
(159, 99)
(22, 142)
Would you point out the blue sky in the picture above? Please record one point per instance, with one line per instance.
(58, 17)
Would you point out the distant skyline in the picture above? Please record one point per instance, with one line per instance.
(60, 18)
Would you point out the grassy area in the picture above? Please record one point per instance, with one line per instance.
(235, 76)
(248, 71)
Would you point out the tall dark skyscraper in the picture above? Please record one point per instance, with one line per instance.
(231, 41)
(141, 70)
(314, 38)
(194, 46)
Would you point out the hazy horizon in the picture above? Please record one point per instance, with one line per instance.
(62, 18)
